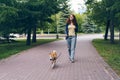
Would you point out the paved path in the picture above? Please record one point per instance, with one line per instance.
(34, 64)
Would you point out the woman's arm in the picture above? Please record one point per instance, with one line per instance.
(66, 29)
(76, 29)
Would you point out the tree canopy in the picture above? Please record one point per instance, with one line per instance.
(24, 15)
(105, 13)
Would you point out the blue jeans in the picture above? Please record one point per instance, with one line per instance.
(71, 41)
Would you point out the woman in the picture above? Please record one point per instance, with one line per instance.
(71, 32)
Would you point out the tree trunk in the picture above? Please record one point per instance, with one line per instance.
(7, 37)
(34, 35)
(28, 42)
(107, 29)
(119, 35)
(112, 32)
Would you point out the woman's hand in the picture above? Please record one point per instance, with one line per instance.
(66, 37)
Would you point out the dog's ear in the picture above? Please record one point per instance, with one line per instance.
(50, 53)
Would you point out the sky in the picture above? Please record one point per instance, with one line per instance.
(78, 6)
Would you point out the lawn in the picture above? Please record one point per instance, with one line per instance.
(110, 53)
(8, 49)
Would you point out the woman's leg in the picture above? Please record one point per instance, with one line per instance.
(73, 45)
(69, 46)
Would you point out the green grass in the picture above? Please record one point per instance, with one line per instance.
(8, 49)
(110, 53)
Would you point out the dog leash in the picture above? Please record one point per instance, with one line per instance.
(59, 55)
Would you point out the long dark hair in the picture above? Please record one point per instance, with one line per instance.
(74, 21)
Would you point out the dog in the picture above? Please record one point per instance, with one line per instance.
(53, 57)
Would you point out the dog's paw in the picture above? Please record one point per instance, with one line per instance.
(53, 65)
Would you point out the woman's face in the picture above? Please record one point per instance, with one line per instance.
(71, 17)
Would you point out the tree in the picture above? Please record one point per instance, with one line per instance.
(104, 12)
(80, 20)
(88, 26)
(25, 14)
(8, 16)
(64, 14)
(33, 11)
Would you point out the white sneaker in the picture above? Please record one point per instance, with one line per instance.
(72, 61)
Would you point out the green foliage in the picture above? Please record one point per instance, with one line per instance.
(96, 12)
(89, 27)
(105, 12)
(52, 26)
(8, 17)
(64, 14)
(22, 16)
(80, 20)
(101, 11)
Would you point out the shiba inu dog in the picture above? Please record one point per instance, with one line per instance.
(53, 57)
